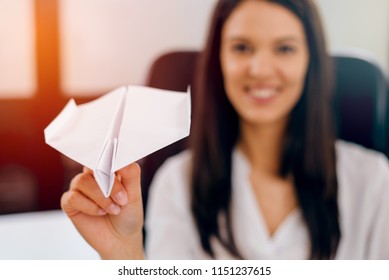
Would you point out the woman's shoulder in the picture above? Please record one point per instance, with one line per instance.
(359, 166)
(171, 231)
(363, 181)
(177, 165)
(173, 175)
(354, 156)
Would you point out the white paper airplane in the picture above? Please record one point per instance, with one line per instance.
(119, 128)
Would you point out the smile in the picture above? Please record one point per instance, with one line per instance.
(262, 94)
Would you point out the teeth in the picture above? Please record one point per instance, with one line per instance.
(263, 93)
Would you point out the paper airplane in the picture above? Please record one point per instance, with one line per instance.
(119, 128)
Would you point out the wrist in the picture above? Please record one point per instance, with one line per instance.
(136, 251)
(130, 249)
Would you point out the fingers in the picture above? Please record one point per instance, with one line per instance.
(73, 202)
(130, 178)
(84, 191)
(87, 170)
(118, 193)
(85, 195)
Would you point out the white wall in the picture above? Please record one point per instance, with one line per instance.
(358, 23)
(107, 43)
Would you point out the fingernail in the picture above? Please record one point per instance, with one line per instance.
(101, 212)
(114, 209)
(121, 198)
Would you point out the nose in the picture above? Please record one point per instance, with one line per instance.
(262, 65)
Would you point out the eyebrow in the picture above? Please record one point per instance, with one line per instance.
(278, 40)
(290, 38)
(234, 38)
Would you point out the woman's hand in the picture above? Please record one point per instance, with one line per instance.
(113, 225)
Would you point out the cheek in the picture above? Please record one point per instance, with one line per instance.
(295, 77)
(232, 71)
(230, 75)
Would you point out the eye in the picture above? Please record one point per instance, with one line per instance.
(286, 49)
(241, 48)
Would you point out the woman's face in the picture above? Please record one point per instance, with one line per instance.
(264, 59)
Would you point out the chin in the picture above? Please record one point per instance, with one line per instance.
(264, 120)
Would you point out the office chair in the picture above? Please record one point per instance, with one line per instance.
(361, 99)
(386, 128)
(359, 103)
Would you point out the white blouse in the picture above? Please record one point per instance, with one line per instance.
(363, 177)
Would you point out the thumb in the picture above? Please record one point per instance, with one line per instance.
(130, 178)
(130, 219)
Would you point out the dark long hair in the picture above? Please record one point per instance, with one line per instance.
(308, 150)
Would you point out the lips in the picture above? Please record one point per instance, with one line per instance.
(263, 93)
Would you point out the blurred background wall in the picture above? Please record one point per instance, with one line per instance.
(358, 23)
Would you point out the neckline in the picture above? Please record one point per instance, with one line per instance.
(243, 168)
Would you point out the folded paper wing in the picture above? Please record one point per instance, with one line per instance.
(119, 128)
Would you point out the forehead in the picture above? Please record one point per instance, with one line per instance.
(262, 19)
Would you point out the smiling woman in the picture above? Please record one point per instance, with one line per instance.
(265, 177)
(269, 106)
(263, 63)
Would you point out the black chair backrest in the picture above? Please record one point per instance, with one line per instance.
(361, 99)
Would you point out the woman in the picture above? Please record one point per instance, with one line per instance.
(265, 177)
